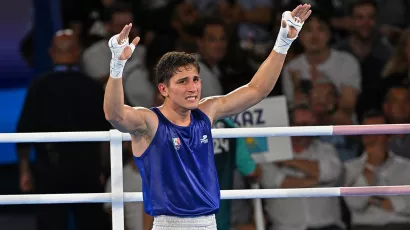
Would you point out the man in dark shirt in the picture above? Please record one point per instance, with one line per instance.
(63, 100)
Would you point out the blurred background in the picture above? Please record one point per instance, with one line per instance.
(349, 65)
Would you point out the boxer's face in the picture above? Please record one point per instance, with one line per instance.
(184, 88)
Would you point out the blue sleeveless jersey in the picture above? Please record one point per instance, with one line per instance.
(178, 169)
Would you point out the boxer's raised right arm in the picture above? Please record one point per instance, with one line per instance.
(122, 117)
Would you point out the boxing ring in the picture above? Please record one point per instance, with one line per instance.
(117, 196)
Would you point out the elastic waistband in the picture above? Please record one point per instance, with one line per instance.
(172, 222)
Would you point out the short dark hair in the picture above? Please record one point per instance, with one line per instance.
(295, 107)
(359, 3)
(170, 62)
(321, 15)
(117, 7)
(372, 114)
(393, 86)
(207, 21)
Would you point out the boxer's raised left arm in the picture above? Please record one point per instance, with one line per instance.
(267, 75)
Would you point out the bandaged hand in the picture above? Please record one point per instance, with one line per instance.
(121, 51)
(291, 24)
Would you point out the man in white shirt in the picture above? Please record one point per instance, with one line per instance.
(318, 61)
(315, 164)
(378, 166)
(96, 59)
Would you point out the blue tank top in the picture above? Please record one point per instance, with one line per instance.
(178, 172)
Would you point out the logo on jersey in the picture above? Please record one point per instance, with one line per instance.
(177, 143)
(204, 139)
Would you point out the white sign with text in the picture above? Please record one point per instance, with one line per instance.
(271, 112)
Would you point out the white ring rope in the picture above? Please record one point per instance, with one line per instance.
(225, 194)
(216, 133)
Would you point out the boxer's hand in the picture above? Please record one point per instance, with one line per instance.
(300, 14)
(291, 24)
(121, 51)
(122, 37)
(119, 46)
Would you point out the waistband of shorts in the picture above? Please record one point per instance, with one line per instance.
(194, 222)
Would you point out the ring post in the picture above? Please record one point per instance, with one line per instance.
(117, 189)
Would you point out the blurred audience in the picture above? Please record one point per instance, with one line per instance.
(64, 100)
(396, 109)
(378, 166)
(324, 98)
(397, 67)
(315, 164)
(320, 60)
(371, 50)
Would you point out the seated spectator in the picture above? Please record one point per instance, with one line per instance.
(315, 164)
(369, 48)
(323, 100)
(396, 108)
(378, 166)
(319, 60)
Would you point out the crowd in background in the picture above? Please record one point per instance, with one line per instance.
(349, 65)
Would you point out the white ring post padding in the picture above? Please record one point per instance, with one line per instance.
(117, 192)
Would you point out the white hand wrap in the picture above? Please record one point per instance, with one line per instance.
(117, 65)
(283, 43)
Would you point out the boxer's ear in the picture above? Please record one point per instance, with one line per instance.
(163, 89)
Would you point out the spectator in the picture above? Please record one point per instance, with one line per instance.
(64, 100)
(364, 43)
(181, 31)
(96, 60)
(396, 108)
(369, 48)
(397, 68)
(319, 60)
(323, 99)
(219, 72)
(378, 166)
(315, 164)
(212, 48)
